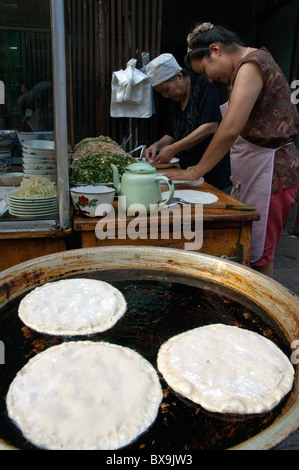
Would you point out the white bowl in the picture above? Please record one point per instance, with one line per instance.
(32, 151)
(87, 198)
(38, 161)
(41, 156)
(38, 158)
(6, 139)
(11, 179)
(34, 145)
(37, 166)
(43, 135)
(40, 172)
(8, 132)
(50, 177)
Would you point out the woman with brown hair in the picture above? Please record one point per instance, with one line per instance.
(259, 127)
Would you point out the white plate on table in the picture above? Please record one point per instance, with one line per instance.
(185, 183)
(163, 166)
(194, 197)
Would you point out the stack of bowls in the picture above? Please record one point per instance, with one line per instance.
(41, 135)
(7, 138)
(38, 157)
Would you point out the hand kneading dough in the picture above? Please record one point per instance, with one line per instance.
(72, 307)
(84, 396)
(226, 369)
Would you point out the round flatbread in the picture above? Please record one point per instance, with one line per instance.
(194, 197)
(72, 307)
(226, 369)
(84, 396)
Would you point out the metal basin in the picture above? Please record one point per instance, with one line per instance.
(269, 297)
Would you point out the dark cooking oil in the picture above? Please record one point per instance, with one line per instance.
(159, 306)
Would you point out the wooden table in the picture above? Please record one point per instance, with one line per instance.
(17, 247)
(24, 239)
(226, 233)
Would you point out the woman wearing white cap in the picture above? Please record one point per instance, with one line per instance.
(193, 117)
(259, 127)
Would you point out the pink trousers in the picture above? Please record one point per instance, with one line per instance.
(279, 211)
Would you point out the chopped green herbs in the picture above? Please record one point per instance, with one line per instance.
(93, 169)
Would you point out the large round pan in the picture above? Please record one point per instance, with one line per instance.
(281, 305)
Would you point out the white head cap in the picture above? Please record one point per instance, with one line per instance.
(162, 68)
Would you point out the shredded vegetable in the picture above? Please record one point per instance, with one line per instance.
(97, 145)
(36, 187)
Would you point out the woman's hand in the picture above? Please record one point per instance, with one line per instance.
(164, 155)
(150, 153)
(155, 153)
(189, 174)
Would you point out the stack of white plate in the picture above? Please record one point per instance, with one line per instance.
(44, 207)
(39, 158)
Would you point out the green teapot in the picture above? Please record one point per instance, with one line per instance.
(140, 184)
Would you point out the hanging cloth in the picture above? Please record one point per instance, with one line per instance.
(131, 93)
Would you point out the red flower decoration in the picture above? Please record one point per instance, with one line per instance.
(84, 200)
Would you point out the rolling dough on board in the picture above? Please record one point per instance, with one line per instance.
(84, 395)
(226, 369)
(72, 307)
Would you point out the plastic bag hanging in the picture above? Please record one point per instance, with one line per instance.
(131, 93)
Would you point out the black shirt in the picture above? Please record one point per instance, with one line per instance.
(203, 107)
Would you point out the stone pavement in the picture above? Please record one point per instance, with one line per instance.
(286, 272)
(286, 264)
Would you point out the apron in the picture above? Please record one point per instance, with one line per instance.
(251, 175)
